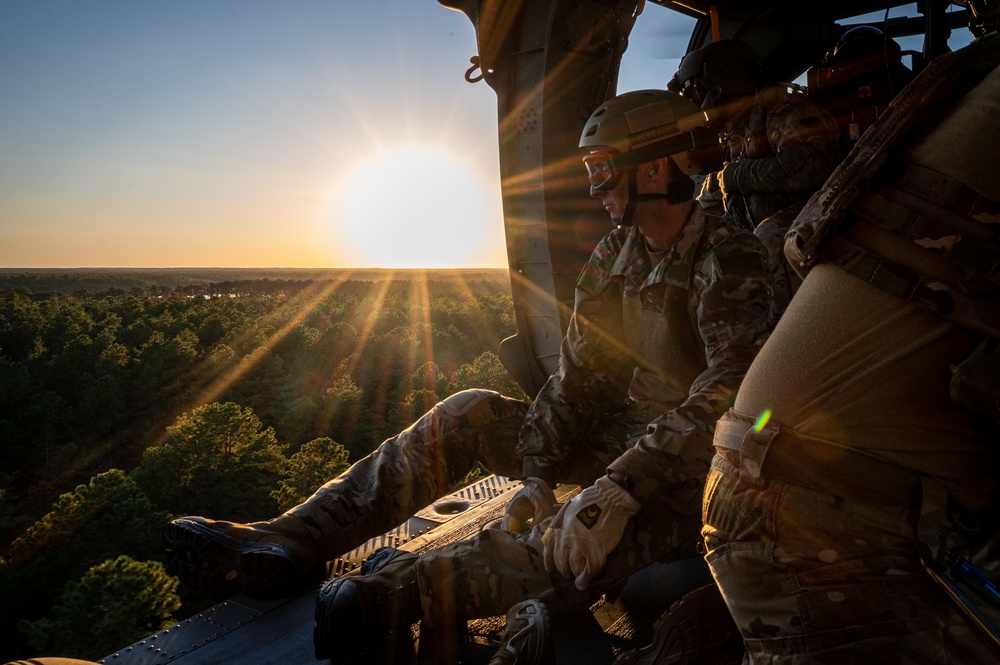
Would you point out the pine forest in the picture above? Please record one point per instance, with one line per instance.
(131, 397)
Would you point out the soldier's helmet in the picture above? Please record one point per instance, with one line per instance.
(720, 72)
(984, 15)
(643, 125)
(861, 41)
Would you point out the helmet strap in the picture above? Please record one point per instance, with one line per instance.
(680, 190)
(657, 196)
(677, 192)
(628, 214)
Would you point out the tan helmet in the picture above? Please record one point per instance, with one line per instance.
(643, 125)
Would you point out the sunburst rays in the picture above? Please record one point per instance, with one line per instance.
(207, 385)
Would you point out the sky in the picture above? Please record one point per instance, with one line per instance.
(248, 133)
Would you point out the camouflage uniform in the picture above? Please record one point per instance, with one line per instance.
(415, 468)
(818, 523)
(654, 353)
(779, 149)
(688, 329)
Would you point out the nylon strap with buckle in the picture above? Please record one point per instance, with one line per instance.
(780, 454)
(914, 239)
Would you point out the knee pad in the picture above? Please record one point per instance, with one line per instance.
(462, 402)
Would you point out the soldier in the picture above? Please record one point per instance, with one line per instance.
(857, 80)
(852, 502)
(779, 147)
(669, 310)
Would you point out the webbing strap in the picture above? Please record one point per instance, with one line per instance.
(952, 196)
(913, 240)
(782, 454)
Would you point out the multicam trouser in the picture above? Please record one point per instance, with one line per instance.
(771, 233)
(416, 467)
(485, 575)
(813, 577)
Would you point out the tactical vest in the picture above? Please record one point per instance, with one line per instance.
(661, 328)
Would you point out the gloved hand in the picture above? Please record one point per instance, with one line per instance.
(734, 201)
(532, 503)
(586, 529)
(725, 180)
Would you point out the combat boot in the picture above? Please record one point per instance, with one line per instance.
(367, 618)
(696, 630)
(527, 639)
(265, 560)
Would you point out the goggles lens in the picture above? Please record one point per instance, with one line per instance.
(601, 170)
(693, 91)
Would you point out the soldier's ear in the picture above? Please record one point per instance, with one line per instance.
(655, 169)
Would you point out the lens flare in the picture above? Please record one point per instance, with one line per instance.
(762, 420)
(415, 207)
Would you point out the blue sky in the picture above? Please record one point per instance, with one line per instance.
(253, 133)
(256, 133)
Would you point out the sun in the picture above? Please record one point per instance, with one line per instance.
(417, 207)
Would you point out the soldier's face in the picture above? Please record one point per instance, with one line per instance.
(613, 199)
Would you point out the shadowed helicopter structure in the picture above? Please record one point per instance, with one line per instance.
(550, 63)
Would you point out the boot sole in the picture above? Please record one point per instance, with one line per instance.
(353, 627)
(532, 643)
(217, 565)
(338, 632)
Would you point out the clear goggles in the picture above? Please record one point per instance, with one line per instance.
(693, 90)
(601, 169)
(689, 89)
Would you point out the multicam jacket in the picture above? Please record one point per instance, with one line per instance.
(779, 150)
(675, 337)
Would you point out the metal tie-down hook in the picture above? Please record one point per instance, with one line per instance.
(476, 64)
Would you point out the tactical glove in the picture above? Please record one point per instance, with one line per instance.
(586, 529)
(726, 179)
(532, 504)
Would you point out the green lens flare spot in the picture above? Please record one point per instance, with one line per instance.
(762, 420)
